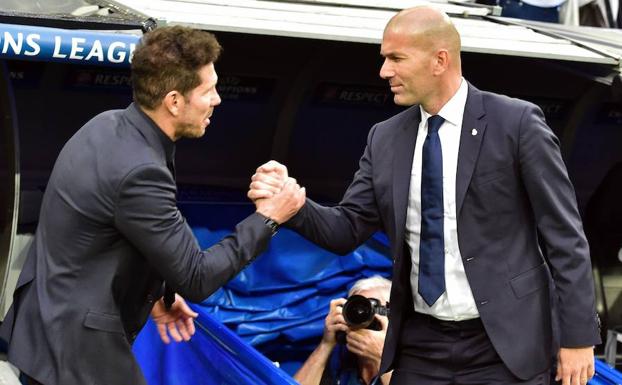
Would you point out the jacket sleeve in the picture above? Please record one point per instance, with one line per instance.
(146, 214)
(555, 209)
(344, 227)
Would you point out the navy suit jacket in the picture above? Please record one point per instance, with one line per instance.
(511, 185)
(109, 234)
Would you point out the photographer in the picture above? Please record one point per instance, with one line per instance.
(356, 359)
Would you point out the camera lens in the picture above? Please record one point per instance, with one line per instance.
(358, 312)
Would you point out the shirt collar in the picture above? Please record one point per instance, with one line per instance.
(167, 144)
(453, 110)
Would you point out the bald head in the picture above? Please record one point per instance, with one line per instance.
(421, 50)
(428, 27)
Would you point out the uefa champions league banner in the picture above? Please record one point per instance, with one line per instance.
(24, 42)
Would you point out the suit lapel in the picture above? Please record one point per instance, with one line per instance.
(471, 136)
(404, 148)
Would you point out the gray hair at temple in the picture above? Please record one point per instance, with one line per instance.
(375, 282)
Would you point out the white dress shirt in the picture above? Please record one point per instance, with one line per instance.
(457, 302)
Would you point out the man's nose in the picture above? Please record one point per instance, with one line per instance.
(386, 71)
(217, 100)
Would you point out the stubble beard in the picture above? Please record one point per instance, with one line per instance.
(191, 131)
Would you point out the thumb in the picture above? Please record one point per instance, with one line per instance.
(183, 306)
(274, 166)
(279, 168)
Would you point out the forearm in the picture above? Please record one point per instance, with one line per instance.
(218, 264)
(311, 371)
(146, 214)
(339, 229)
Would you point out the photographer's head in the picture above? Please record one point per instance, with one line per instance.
(374, 287)
(367, 298)
(174, 79)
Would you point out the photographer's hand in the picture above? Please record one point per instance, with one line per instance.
(368, 344)
(334, 322)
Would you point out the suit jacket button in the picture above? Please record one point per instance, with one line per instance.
(482, 303)
(469, 259)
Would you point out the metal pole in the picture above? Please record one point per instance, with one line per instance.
(9, 151)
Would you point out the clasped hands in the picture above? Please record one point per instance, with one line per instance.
(275, 194)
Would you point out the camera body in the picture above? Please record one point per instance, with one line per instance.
(359, 312)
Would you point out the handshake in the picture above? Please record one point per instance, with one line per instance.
(275, 194)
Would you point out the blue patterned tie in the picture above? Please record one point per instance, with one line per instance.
(431, 249)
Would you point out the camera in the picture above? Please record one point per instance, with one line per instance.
(359, 311)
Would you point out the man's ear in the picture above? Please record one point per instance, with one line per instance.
(441, 62)
(173, 102)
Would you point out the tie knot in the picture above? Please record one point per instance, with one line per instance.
(434, 123)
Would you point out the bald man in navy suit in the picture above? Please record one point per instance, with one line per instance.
(464, 182)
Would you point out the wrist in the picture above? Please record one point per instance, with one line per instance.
(327, 346)
(272, 224)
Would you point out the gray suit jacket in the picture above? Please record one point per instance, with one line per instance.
(109, 234)
(511, 184)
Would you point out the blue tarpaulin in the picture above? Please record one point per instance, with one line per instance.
(215, 355)
(285, 294)
(605, 375)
